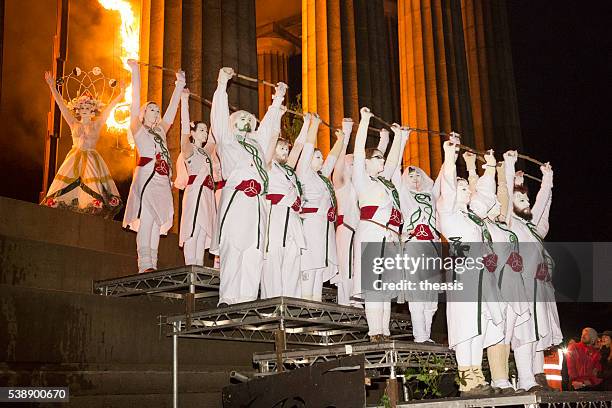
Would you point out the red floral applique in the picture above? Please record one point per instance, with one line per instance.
(396, 217)
(490, 262)
(51, 202)
(542, 272)
(297, 205)
(97, 203)
(114, 202)
(515, 261)
(208, 182)
(331, 214)
(250, 187)
(161, 165)
(422, 232)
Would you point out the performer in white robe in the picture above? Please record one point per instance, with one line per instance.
(530, 226)
(318, 261)
(418, 198)
(83, 182)
(470, 321)
(149, 209)
(242, 217)
(284, 232)
(195, 175)
(505, 284)
(380, 218)
(348, 217)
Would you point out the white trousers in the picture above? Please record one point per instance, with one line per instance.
(469, 352)
(147, 241)
(421, 316)
(524, 359)
(378, 315)
(538, 362)
(194, 247)
(281, 272)
(240, 273)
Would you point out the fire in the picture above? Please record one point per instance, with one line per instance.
(130, 49)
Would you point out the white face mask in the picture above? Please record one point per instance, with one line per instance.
(520, 201)
(414, 180)
(281, 153)
(463, 192)
(200, 134)
(317, 161)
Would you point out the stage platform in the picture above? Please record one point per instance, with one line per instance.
(384, 356)
(175, 283)
(565, 399)
(300, 322)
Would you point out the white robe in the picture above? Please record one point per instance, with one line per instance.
(466, 319)
(199, 208)
(320, 233)
(284, 235)
(348, 212)
(150, 191)
(242, 215)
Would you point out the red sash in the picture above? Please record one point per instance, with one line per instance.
(367, 213)
(250, 187)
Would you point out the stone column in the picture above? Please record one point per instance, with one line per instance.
(191, 55)
(491, 75)
(272, 63)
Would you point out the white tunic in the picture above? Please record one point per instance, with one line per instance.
(348, 218)
(150, 190)
(318, 214)
(199, 207)
(472, 315)
(539, 288)
(284, 195)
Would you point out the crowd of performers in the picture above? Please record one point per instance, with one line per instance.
(283, 219)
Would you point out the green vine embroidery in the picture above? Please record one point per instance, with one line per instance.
(252, 150)
(330, 189)
(391, 187)
(291, 175)
(162, 146)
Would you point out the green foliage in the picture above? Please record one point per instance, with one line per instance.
(385, 401)
(424, 381)
(292, 124)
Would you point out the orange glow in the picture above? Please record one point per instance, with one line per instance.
(130, 49)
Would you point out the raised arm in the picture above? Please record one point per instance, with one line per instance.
(219, 111)
(383, 142)
(360, 176)
(311, 137)
(271, 149)
(394, 156)
(541, 207)
(186, 146)
(175, 99)
(397, 175)
(448, 177)
(332, 157)
(338, 175)
(298, 143)
(109, 108)
(470, 163)
(66, 112)
(271, 123)
(483, 197)
(135, 106)
(510, 158)
(502, 192)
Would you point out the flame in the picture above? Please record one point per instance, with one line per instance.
(130, 49)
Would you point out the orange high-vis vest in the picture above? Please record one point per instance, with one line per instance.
(553, 364)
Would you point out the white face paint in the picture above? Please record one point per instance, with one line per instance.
(244, 121)
(375, 164)
(520, 201)
(317, 160)
(281, 152)
(463, 191)
(414, 180)
(495, 211)
(200, 134)
(85, 112)
(151, 115)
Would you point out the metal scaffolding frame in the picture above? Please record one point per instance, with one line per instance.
(565, 399)
(176, 283)
(299, 321)
(386, 355)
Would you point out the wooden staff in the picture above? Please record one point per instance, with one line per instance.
(251, 79)
(146, 64)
